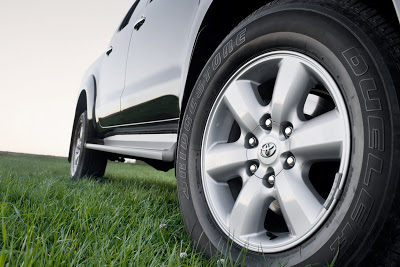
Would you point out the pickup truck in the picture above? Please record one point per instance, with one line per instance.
(281, 119)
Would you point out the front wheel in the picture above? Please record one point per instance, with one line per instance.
(287, 152)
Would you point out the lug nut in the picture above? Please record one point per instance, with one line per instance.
(271, 180)
(268, 123)
(291, 161)
(253, 168)
(288, 131)
(253, 141)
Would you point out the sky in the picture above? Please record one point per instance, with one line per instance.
(46, 46)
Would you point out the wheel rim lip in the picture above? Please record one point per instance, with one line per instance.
(336, 95)
(75, 154)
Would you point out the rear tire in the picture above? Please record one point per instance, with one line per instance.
(359, 52)
(85, 162)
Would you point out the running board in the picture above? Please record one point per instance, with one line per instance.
(158, 147)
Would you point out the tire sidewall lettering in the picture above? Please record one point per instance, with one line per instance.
(364, 200)
(208, 72)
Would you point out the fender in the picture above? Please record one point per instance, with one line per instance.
(90, 88)
(191, 44)
(86, 98)
(208, 22)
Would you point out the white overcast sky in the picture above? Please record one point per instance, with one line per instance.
(46, 46)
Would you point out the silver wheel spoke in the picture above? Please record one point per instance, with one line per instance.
(292, 86)
(77, 158)
(299, 202)
(224, 161)
(77, 150)
(250, 208)
(79, 143)
(241, 99)
(320, 138)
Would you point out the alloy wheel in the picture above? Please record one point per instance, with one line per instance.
(275, 151)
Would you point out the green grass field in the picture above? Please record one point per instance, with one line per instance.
(49, 220)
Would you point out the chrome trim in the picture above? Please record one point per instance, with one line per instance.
(133, 124)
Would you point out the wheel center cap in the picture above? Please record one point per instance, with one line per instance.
(268, 150)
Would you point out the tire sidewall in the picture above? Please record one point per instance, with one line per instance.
(337, 43)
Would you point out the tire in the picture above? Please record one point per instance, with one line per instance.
(85, 162)
(289, 147)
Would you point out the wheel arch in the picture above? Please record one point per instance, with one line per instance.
(214, 28)
(211, 32)
(86, 101)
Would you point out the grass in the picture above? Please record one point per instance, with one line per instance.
(49, 220)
